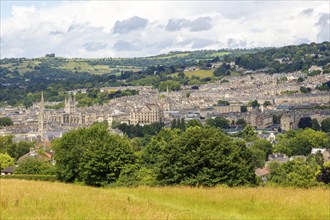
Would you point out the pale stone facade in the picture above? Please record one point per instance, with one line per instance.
(287, 122)
(227, 109)
(304, 98)
(146, 115)
(290, 120)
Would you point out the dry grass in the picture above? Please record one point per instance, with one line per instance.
(21, 199)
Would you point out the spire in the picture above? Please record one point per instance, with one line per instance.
(42, 102)
(41, 118)
(73, 103)
(70, 98)
(66, 104)
(70, 103)
(168, 100)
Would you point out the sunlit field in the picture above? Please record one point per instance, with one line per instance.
(22, 199)
(220, 54)
(200, 73)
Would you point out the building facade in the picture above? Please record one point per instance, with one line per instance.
(148, 114)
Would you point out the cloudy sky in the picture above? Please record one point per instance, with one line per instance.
(143, 28)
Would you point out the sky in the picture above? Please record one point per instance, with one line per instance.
(96, 29)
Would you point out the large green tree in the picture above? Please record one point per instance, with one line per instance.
(325, 125)
(297, 173)
(218, 122)
(92, 155)
(249, 133)
(5, 121)
(260, 150)
(301, 142)
(170, 84)
(193, 123)
(102, 163)
(15, 150)
(315, 124)
(19, 149)
(199, 156)
(263, 145)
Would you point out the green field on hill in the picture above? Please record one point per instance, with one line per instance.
(168, 56)
(201, 73)
(22, 199)
(220, 54)
(84, 66)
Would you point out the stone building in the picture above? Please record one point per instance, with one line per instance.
(148, 114)
(260, 120)
(70, 116)
(70, 104)
(60, 120)
(290, 120)
(227, 109)
(304, 99)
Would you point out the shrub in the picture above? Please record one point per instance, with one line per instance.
(50, 178)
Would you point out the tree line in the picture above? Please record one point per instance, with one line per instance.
(191, 154)
(186, 154)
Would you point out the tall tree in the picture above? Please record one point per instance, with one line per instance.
(70, 149)
(297, 173)
(92, 155)
(6, 161)
(315, 124)
(305, 122)
(325, 125)
(5, 121)
(249, 133)
(102, 163)
(301, 142)
(199, 156)
(193, 123)
(218, 122)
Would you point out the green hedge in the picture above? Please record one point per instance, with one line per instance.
(50, 178)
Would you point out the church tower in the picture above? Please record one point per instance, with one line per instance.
(70, 104)
(41, 117)
(168, 100)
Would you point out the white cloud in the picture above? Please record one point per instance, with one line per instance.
(142, 28)
(133, 23)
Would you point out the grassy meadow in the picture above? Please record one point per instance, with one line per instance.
(22, 199)
(168, 56)
(83, 66)
(200, 73)
(220, 54)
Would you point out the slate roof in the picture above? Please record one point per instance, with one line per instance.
(9, 169)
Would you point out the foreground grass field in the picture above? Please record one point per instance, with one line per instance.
(21, 199)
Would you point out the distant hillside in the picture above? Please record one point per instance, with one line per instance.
(22, 80)
(286, 59)
(114, 65)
